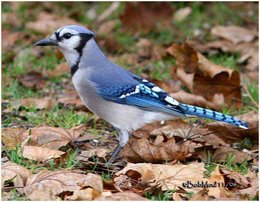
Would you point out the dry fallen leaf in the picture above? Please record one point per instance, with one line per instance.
(53, 138)
(206, 78)
(121, 196)
(147, 49)
(248, 182)
(143, 150)
(98, 152)
(216, 178)
(46, 23)
(71, 98)
(32, 80)
(10, 38)
(40, 153)
(165, 176)
(60, 69)
(222, 152)
(47, 185)
(18, 174)
(144, 17)
(232, 134)
(202, 195)
(12, 137)
(43, 103)
(234, 33)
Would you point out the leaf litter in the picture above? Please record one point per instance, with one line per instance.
(174, 151)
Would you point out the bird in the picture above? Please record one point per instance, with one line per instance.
(123, 99)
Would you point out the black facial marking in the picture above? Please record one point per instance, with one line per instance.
(83, 40)
(57, 34)
(74, 68)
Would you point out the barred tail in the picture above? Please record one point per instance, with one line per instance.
(210, 114)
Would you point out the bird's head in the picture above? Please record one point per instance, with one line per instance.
(70, 39)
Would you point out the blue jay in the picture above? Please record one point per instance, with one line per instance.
(120, 97)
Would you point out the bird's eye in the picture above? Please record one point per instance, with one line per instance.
(67, 35)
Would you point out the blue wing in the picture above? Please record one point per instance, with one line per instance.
(145, 95)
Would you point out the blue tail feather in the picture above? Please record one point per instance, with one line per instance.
(210, 114)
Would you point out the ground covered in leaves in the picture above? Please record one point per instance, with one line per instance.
(204, 54)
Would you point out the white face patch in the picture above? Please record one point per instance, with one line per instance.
(67, 44)
(171, 100)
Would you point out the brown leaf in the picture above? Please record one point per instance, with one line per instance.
(98, 152)
(32, 80)
(216, 177)
(71, 98)
(205, 78)
(234, 33)
(231, 134)
(143, 150)
(40, 153)
(221, 153)
(121, 196)
(248, 182)
(46, 185)
(164, 176)
(46, 23)
(58, 71)
(12, 137)
(145, 16)
(10, 38)
(17, 173)
(53, 138)
(147, 49)
(202, 195)
(43, 103)
(149, 129)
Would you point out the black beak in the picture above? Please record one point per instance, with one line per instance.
(46, 42)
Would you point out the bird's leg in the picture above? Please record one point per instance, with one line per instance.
(123, 139)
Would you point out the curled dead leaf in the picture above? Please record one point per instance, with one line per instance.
(53, 138)
(59, 70)
(97, 152)
(164, 176)
(216, 177)
(40, 153)
(32, 79)
(46, 23)
(145, 16)
(143, 150)
(17, 173)
(234, 33)
(206, 78)
(121, 196)
(231, 134)
(43, 103)
(54, 183)
(12, 137)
